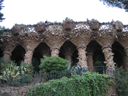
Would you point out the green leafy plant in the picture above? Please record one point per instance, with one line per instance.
(22, 80)
(16, 75)
(121, 81)
(85, 85)
(25, 68)
(3, 65)
(49, 64)
(10, 72)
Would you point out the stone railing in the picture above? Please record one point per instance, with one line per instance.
(40, 28)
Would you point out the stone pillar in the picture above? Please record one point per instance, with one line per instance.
(68, 56)
(82, 56)
(55, 52)
(28, 55)
(125, 59)
(90, 61)
(7, 55)
(108, 59)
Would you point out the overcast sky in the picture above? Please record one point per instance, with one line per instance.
(34, 11)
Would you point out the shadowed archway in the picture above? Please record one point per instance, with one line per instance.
(95, 57)
(18, 55)
(68, 51)
(41, 50)
(119, 54)
(1, 53)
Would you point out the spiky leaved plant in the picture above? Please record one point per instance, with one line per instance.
(11, 72)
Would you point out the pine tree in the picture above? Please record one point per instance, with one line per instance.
(1, 14)
(123, 4)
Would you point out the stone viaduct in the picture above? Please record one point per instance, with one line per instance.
(78, 42)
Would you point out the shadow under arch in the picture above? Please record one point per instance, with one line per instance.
(95, 56)
(1, 53)
(18, 54)
(119, 54)
(41, 50)
(69, 52)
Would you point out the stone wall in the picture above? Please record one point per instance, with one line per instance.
(80, 34)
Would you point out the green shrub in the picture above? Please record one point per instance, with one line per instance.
(49, 64)
(25, 68)
(22, 80)
(121, 81)
(85, 85)
(3, 64)
(10, 72)
(56, 75)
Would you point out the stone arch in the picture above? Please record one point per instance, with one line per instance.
(41, 50)
(18, 54)
(95, 55)
(119, 53)
(68, 51)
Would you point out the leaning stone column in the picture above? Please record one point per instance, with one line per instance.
(126, 60)
(108, 59)
(90, 61)
(82, 56)
(7, 55)
(55, 52)
(28, 55)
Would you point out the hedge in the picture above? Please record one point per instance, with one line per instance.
(88, 84)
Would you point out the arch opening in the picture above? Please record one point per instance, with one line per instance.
(18, 55)
(119, 54)
(96, 60)
(68, 51)
(41, 50)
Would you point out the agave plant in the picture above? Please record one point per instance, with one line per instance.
(79, 70)
(11, 72)
(25, 68)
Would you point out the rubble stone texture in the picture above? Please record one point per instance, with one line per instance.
(108, 59)
(56, 35)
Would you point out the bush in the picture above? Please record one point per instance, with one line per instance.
(3, 64)
(50, 64)
(12, 74)
(25, 68)
(85, 85)
(56, 75)
(22, 80)
(121, 81)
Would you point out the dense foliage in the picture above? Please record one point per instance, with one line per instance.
(121, 81)
(85, 85)
(1, 14)
(49, 64)
(14, 74)
(117, 3)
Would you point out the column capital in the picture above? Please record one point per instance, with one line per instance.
(55, 51)
(53, 48)
(107, 46)
(126, 50)
(81, 46)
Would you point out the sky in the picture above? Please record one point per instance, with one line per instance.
(34, 11)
